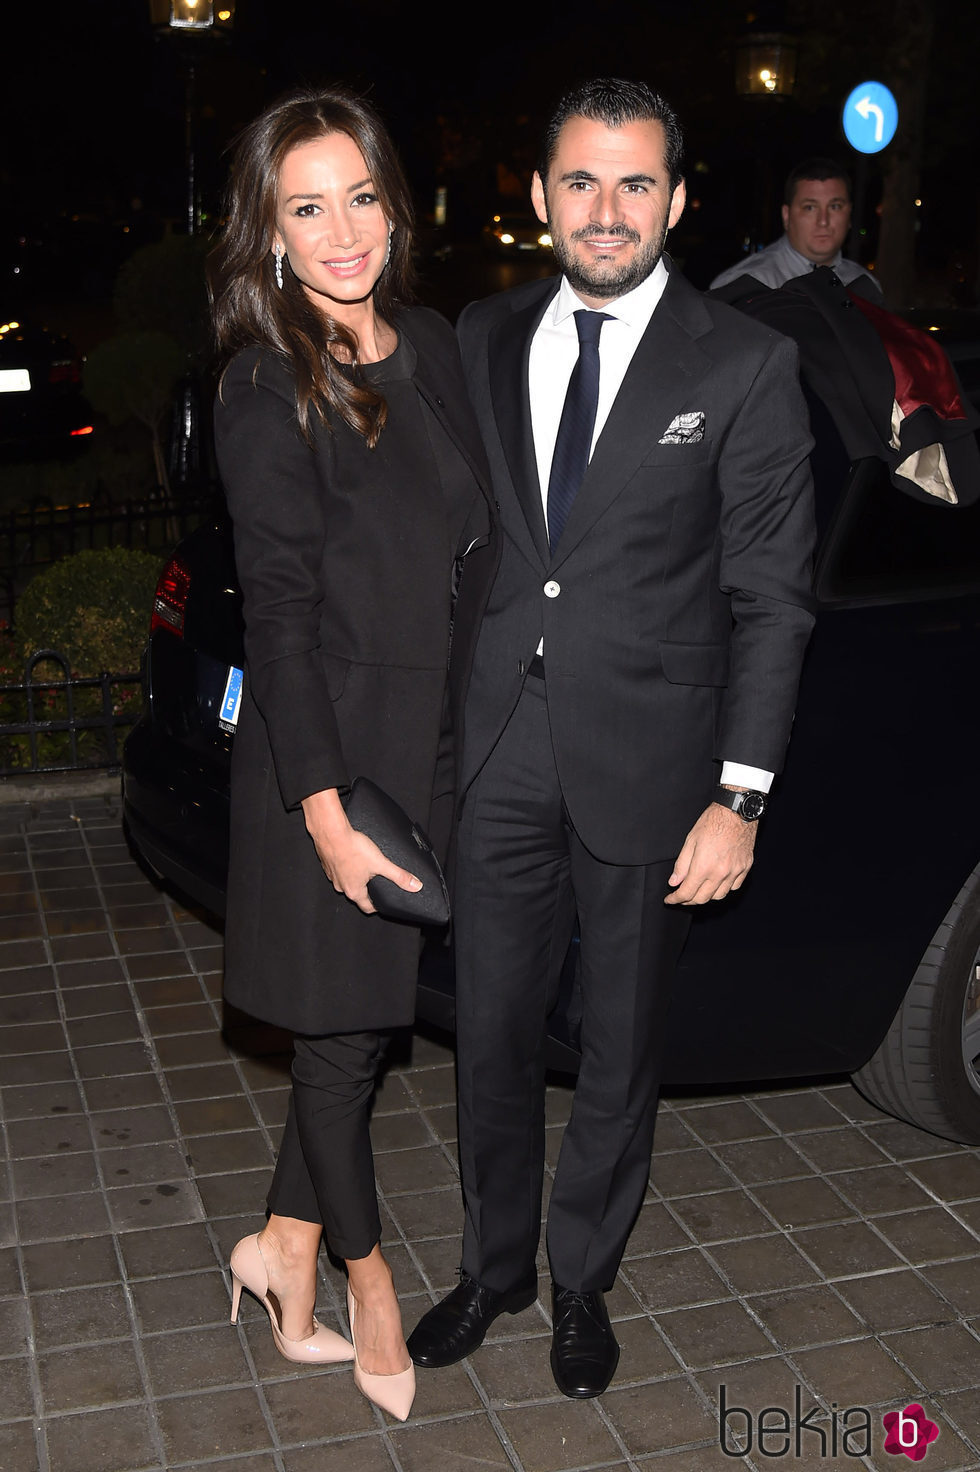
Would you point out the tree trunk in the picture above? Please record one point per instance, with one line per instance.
(159, 461)
(906, 72)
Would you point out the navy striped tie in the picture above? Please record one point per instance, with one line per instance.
(571, 457)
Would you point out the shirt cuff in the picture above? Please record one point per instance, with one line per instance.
(733, 774)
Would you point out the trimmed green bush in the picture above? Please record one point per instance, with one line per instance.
(93, 606)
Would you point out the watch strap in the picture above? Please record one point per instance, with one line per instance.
(736, 801)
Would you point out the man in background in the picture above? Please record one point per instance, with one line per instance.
(816, 219)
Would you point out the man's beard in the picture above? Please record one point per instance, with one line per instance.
(607, 279)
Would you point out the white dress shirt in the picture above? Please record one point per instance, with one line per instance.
(782, 262)
(553, 355)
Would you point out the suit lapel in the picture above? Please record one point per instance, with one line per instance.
(509, 349)
(667, 364)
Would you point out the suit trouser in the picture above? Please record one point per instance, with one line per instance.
(325, 1169)
(523, 874)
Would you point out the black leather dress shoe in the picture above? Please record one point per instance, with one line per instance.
(584, 1352)
(456, 1326)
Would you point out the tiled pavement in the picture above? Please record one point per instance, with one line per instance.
(791, 1238)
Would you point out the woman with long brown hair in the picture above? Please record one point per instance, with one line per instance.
(355, 480)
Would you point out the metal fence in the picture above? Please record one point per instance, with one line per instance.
(59, 722)
(66, 722)
(43, 533)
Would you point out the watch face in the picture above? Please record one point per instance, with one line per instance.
(752, 806)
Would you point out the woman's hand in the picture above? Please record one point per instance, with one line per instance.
(348, 857)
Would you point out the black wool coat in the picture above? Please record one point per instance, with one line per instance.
(844, 361)
(345, 568)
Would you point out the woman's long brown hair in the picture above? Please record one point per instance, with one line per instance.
(247, 306)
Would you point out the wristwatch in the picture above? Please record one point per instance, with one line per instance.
(749, 805)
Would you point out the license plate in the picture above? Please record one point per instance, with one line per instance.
(15, 381)
(231, 701)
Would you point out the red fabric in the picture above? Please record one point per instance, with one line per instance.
(923, 373)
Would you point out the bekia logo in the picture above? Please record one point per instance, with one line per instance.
(779, 1432)
(909, 1431)
(776, 1431)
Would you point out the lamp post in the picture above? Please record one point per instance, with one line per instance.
(765, 67)
(183, 22)
(180, 19)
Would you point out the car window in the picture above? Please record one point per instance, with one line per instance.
(883, 546)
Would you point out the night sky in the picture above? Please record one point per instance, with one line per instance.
(92, 111)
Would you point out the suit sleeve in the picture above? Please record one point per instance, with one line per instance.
(276, 502)
(767, 539)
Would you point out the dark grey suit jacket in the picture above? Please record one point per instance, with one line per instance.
(676, 609)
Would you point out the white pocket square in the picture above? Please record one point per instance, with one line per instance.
(684, 429)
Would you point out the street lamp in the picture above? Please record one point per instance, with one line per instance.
(177, 19)
(192, 15)
(765, 64)
(180, 21)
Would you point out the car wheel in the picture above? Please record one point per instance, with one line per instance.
(927, 1069)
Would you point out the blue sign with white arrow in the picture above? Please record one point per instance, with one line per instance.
(870, 117)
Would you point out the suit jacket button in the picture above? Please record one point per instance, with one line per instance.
(441, 403)
(551, 590)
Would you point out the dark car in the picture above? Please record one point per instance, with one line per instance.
(177, 757)
(41, 403)
(516, 234)
(855, 945)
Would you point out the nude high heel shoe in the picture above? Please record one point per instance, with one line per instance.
(393, 1393)
(248, 1270)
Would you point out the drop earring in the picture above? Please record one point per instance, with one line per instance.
(391, 231)
(278, 255)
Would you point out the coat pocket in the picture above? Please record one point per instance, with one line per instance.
(680, 457)
(694, 664)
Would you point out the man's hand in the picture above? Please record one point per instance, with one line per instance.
(716, 857)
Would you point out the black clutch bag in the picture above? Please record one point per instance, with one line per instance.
(372, 811)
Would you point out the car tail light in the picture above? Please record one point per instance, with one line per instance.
(84, 429)
(170, 599)
(65, 371)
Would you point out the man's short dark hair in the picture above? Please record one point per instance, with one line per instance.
(815, 168)
(615, 102)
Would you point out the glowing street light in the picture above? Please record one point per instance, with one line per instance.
(765, 64)
(192, 15)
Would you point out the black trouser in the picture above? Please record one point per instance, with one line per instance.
(523, 875)
(325, 1170)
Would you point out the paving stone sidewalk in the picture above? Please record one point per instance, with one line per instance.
(795, 1245)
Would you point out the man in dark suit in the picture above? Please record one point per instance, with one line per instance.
(649, 454)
